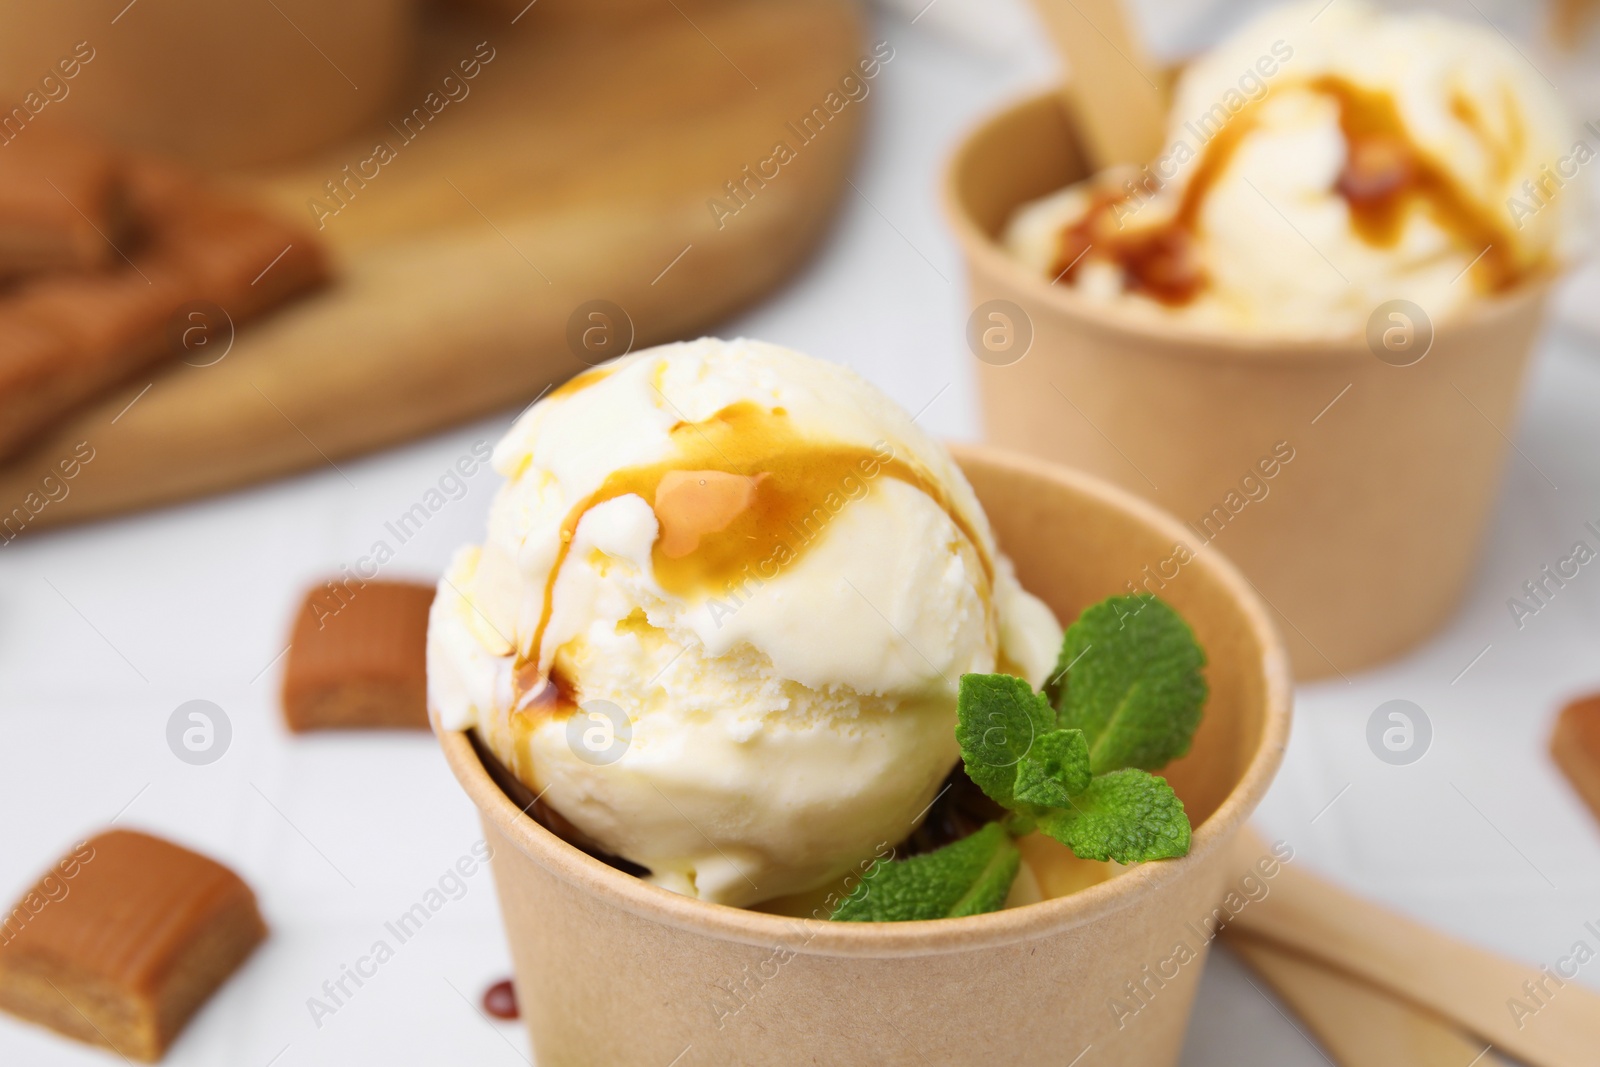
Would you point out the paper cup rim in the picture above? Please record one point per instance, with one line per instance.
(937, 936)
(982, 250)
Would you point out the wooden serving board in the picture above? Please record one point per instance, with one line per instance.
(578, 167)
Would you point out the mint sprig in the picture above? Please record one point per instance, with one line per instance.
(1129, 677)
(1124, 815)
(1054, 771)
(1072, 761)
(1004, 720)
(968, 877)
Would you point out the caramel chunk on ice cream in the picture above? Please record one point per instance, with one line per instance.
(60, 205)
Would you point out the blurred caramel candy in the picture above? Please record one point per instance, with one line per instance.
(66, 338)
(123, 940)
(357, 657)
(60, 205)
(1576, 748)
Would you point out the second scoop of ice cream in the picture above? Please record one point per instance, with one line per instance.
(1321, 161)
(719, 618)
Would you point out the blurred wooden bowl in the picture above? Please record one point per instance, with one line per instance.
(218, 84)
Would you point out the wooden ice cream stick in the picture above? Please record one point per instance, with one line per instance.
(1116, 92)
(1358, 1024)
(1530, 1013)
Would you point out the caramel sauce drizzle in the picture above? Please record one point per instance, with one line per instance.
(1160, 262)
(1385, 173)
(581, 381)
(1504, 154)
(744, 495)
(1385, 177)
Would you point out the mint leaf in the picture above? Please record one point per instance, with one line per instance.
(998, 719)
(1055, 769)
(1072, 761)
(1128, 815)
(1129, 678)
(966, 877)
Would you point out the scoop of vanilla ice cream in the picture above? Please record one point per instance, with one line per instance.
(1305, 210)
(719, 618)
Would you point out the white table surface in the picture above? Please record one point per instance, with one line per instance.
(106, 629)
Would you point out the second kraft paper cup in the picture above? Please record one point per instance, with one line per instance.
(1383, 469)
(611, 970)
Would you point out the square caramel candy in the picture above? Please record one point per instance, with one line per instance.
(1575, 745)
(188, 245)
(220, 249)
(31, 354)
(61, 205)
(357, 657)
(84, 335)
(123, 940)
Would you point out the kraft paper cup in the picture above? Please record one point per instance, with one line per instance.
(611, 970)
(1364, 540)
(221, 84)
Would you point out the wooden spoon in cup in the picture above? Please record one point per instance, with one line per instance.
(1117, 93)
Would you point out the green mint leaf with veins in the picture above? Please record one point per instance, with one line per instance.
(966, 877)
(1129, 678)
(1073, 761)
(1054, 770)
(999, 718)
(1127, 815)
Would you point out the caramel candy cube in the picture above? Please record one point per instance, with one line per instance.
(187, 244)
(357, 657)
(123, 940)
(1575, 745)
(60, 205)
(227, 251)
(31, 353)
